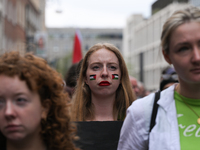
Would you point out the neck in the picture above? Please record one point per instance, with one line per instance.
(28, 144)
(103, 108)
(190, 91)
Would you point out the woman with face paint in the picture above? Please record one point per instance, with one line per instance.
(103, 90)
(33, 105)
(177, 121)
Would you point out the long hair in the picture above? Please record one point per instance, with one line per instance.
(57, 132)
(82, 106)
(178, 18)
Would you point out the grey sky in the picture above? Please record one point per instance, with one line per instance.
(94, 13)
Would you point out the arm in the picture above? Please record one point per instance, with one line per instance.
(135, 129)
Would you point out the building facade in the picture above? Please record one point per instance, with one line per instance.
(14, 23)
(19, 20)
(195, 2)
(160, 4)
(141, 45)
(61, 40)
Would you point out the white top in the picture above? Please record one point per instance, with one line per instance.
(135, 130)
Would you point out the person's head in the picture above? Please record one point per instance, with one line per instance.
(142, 90)
(168, 78)
(32, 102)
(180, 44)
(71, 78)
(103, 66)
(134, 85)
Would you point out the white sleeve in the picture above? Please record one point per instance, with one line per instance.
(135, 129)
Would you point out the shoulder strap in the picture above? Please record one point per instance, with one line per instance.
(154, 111)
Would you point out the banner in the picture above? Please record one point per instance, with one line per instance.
(41, 44)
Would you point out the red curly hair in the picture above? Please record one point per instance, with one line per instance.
(57, 130)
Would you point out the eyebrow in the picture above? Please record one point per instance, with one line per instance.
(19, 93)
(180, 44)
(108, 63)
(113, 63)
(183, 43)
(95, 63)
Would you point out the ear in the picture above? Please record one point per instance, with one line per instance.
(166, 56)
(45, 109)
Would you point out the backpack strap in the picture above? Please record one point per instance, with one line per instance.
(154, 110)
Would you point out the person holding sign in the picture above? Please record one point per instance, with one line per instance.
(177, 121)
(103, 90)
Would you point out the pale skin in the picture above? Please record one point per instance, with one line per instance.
(134, 85)
(20, 114)
(103, 63)
(184, 54)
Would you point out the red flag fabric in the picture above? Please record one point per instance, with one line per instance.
(77, 54)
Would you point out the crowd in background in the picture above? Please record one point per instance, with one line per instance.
(39, 109)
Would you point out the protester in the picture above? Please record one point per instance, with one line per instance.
(71, 78)
(138, 87)
(134, 84)
(177, 121)
(168, 78)
(142, 90)
(103, 89)
(33, 107)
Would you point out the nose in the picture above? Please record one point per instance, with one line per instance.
(104, 72)
(9, 111)
(196, 55)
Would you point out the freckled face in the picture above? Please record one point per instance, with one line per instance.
(20, 109)
(184, 52)
(103, 63)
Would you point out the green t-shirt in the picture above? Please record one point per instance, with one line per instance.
(189, 129)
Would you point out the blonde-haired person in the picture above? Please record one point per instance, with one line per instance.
(177, 125)
(33, 107)
(103, 90)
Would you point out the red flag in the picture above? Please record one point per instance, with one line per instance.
(77, 54)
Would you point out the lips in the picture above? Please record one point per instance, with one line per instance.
(195, 70)
(104, 83)
(12, 128)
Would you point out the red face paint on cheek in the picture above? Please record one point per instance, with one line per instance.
(93, 77)
(115, 76)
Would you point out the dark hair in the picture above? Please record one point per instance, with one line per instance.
(71, 76)
(169, 71)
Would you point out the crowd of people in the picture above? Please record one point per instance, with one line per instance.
(39, 109)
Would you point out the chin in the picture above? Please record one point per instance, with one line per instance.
(196, 82)
(15, 137)
(190, 80)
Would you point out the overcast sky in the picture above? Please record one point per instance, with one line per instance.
(94, 13)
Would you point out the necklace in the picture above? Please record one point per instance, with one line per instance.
(177, 89)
